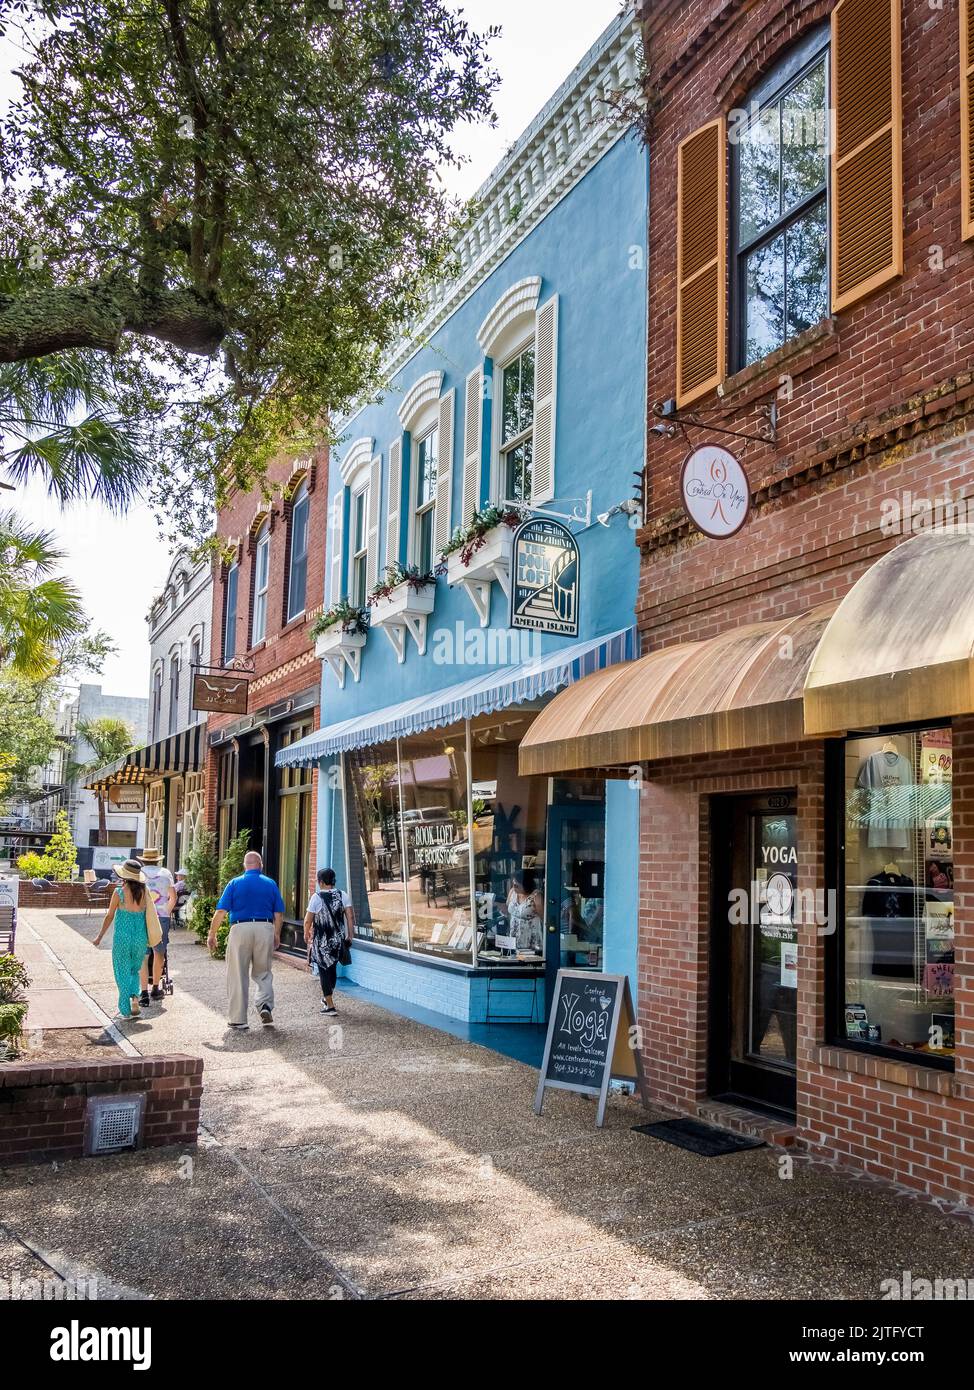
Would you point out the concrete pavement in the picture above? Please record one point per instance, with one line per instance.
(371, 1156)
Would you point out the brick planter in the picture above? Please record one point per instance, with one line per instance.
(60, 895)
(43, 1107)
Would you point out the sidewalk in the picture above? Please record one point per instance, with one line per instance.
(384, 1159)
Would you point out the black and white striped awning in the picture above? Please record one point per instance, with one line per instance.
(182, 752)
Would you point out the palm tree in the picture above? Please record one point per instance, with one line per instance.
(63, 418)
(39, 609)
(109, 739)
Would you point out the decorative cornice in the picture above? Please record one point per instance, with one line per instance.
(521, 298)
(568, 136)
(422, 393)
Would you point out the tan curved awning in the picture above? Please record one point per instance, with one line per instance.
(741, 689)
(901, 644)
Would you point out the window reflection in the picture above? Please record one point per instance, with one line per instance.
(374, 812)
(899, 907)
(781, 221)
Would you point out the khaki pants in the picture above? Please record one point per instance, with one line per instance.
(250, 949)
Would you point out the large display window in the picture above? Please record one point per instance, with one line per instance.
(447, 850)
(898, 951)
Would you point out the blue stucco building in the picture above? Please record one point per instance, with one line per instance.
(519, 398)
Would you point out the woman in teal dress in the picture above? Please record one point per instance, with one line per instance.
(131, 910)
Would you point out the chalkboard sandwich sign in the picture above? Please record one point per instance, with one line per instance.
(586, 1048)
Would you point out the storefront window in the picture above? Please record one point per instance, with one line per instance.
(226, 800)
(374, 811)
(509, 839)
(433, 781)
(294, 846)
(899, 892)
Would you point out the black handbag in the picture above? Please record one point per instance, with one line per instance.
(345, 954)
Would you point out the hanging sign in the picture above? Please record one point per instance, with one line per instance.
(715, 491)
(219, 694)
(544, 584)
(126, 798)
(589, 1038)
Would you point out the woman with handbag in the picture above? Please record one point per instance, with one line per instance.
(137, 927)
(328, 926)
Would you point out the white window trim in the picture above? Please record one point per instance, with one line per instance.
(503, 325)
(429, 506)
(301, 494)
(498, 483)
(422, 397)
(423, 422)
(356, 470)
(361, 489)
(262, 540)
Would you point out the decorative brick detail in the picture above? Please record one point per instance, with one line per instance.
(42, 1107)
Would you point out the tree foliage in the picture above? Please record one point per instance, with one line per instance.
(238, 201)
(40, 610)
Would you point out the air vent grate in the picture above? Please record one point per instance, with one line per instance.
(113, 1123)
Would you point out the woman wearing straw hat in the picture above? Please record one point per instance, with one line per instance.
(136, 929)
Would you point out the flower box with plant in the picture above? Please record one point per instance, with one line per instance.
(475, 557)
(339, 636)
(402, 601)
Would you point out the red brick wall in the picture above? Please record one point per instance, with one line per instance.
(42, 1106)
(871, 363)
(284, 662)
(907, 1123)
(882, 404)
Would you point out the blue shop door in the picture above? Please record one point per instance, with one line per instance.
(574, 892)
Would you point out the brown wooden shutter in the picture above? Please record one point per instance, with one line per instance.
(867, 162)
(701, 241)
(967, 118)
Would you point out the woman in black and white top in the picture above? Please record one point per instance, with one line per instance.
(328, 923)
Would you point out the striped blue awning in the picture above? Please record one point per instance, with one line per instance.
(492, 690)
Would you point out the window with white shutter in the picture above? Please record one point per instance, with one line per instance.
(395, 502)
(545, 401)
(337, 508)
(473, 435)
(444, 473)
(372, 535)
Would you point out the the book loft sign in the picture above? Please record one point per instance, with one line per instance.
(715, 491)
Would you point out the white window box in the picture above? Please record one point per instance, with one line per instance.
(491, 561)
(341, 650)
(406, 609)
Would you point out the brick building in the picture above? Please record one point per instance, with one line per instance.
(801, 727)
(264, 601)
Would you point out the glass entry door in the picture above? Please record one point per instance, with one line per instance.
(754, 949)
(575, 892)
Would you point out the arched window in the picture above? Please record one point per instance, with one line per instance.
(780, 204)
(298, 574)
(173, 692)
(262, 566)
(156, 721)
(230, 594)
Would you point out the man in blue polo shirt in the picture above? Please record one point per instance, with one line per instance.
(256, 910)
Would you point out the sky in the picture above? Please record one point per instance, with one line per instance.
(120, 565)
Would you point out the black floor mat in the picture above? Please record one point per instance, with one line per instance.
(705, 1140)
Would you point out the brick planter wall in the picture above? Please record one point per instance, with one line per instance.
(60, 895)
(42, 1107)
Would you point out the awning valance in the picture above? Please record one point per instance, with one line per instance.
(741, 689)
(182, 752)
(901, 644)
(491, 690)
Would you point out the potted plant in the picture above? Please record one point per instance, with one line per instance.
(401, 602)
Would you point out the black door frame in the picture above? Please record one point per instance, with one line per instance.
(761, 1086)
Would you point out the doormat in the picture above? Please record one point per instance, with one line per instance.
(705, 1140)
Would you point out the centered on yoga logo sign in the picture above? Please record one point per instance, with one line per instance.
(716, 493)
